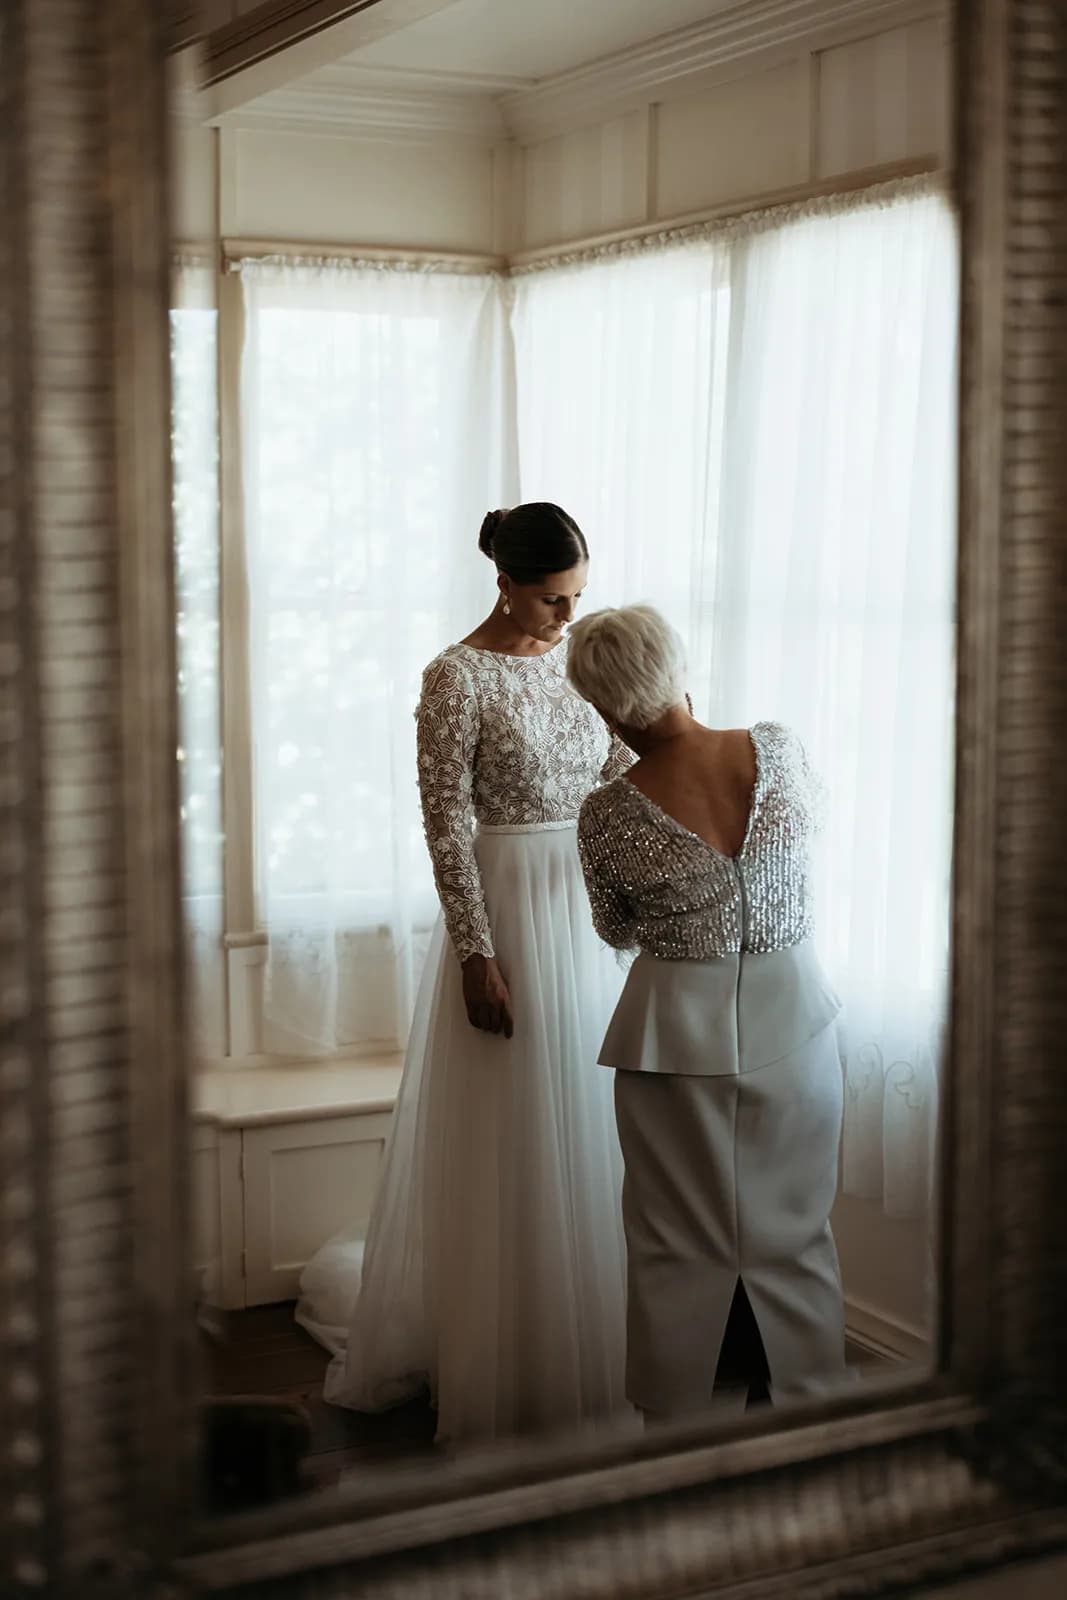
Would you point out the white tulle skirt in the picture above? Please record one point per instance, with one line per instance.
(494, 1270)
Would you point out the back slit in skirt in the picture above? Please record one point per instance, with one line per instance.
(731, 1180)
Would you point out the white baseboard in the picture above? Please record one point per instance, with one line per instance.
(884, 1336)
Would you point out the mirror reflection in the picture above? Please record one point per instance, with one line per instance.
(564, 441)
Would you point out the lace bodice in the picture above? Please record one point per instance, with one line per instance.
(656, 887)
(505, 741)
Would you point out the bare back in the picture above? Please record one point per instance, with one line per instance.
(705, 779)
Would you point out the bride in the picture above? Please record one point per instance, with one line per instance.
(493, 1273)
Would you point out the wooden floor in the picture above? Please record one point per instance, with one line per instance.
(263, 1351)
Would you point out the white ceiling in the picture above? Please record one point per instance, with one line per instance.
(527, 40)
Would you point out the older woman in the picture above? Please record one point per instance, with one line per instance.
(728, 1088)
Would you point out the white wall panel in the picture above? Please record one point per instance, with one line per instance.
(877, 100)
(746, 137)
(304, 1182)
(193, 178)
(206, 1209)
(887, 1269)
(297, 186)
(884, 99)
(586, 182)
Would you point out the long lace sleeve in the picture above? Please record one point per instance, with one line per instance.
(612, 914)
(620, 759)
(447, 737)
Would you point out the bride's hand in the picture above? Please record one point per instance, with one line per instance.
(486, 996)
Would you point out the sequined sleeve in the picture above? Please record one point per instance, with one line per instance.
(803, 782)
(613, 916)
(447, 738)
(818, 793)
(620, 759)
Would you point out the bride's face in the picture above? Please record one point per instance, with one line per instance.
(542, 610)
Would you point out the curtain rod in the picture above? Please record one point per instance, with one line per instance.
(236, 250)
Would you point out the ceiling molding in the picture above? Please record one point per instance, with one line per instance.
(390, 116)
(349, 101)
(667, 66)
(356, 76)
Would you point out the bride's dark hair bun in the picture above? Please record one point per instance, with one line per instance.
(532, 541)
(490, 523)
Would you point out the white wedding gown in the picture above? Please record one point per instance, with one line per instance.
(493, 1273)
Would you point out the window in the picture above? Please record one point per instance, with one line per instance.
(194, 450)
(756, 430)
(374, 442)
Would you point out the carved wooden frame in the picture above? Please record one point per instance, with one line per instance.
(868, 1493)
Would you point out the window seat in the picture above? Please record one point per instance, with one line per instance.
(285, 1156)
(252, 1097)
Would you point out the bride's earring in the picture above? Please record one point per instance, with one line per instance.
(507, 606)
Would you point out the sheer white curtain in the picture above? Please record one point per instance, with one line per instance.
(835, 611)
(620, 399)
(194, 451)
(377, 418)
(758, 434)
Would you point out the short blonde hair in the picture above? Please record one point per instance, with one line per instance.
(629, 662)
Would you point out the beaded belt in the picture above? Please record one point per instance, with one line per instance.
(526, 827)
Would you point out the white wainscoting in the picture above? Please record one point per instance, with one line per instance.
(283, 1158)
(206, 1211)
(304, 1182)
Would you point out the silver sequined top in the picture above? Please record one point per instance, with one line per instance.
(503, 740)
(656, 887)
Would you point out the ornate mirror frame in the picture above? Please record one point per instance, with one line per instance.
(875, 1491)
